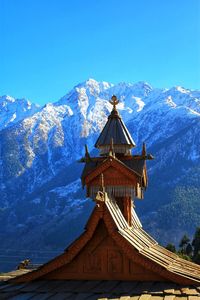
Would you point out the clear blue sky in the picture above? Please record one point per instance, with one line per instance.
(48, 46)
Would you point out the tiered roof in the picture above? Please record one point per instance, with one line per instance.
(116, 131)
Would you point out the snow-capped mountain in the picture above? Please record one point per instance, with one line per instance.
(39, 148)
(13, 110)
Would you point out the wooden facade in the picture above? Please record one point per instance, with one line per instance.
(110, 249)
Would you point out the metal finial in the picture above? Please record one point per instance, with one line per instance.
(114, 101)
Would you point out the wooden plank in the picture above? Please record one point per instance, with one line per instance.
(145, 297)
(46, 286)
(41, 296)
(81, 296)
(70, 286)
(160, 287)
(189, 291)
(105, 286)
(169, 297)
(22, 296)
(125, 287)
(6, 296)
(32, 286)
(89, 286)
(193, 298)
(181, 298)
(69, 296)
(61, 296)
(142, 287)
(4, 285)
(96, 297)
(13, 287)
(156, 297)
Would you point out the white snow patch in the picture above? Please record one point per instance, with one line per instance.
(139, 102)
(182, 90)
(193, 112)
(9, 98)
(13, 117)
(170, 102)
(65, 191)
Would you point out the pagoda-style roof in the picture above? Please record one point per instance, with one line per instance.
(123, 177)
(135, 165)
(115, 130)
(110, 249)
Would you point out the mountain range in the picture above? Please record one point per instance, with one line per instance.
(42, 204)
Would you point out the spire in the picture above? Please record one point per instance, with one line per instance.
(116, 130)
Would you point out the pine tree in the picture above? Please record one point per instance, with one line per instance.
(183, 243)
(171, 247)
(196, 246)
(189, 250)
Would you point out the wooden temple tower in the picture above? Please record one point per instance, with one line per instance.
(117, 172)
(114, 245)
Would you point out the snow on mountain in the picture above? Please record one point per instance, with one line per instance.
(13, 110)
(54, 136)
(57, 132)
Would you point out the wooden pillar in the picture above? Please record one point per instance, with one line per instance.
(125, 205)
(127, 210)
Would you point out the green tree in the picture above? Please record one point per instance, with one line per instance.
(189, 250)
(183, 243)
(196, 259)
(196, 246)
(171, 247)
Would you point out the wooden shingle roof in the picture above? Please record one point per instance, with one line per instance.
(98, 290)
(115, 129)
(135, 165)
(134, 242)
(149, 248)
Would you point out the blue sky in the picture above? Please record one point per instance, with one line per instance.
(48, 46)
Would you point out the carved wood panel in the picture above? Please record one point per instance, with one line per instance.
(102, 259)
(114, 177)
(114, 261)
(93, 263)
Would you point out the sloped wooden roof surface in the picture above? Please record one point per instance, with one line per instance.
(93, 290)
(134, 242)
(149, 248)
(135, 165)
(114, 129)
